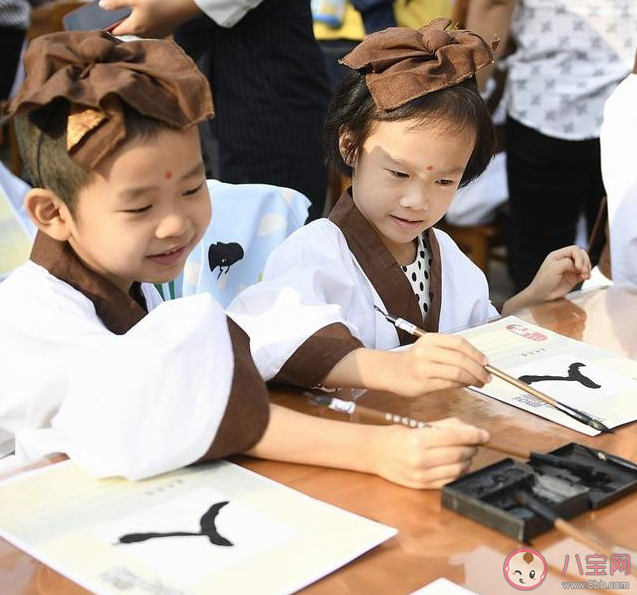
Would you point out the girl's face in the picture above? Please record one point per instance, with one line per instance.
(405, 176)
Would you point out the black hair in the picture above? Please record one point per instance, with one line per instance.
(42, 141)
(460, 106)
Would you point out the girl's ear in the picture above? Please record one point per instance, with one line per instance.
(49, 213)
(345, 147)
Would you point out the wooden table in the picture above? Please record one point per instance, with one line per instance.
(434, 542)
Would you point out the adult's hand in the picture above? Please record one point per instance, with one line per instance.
(152, 18)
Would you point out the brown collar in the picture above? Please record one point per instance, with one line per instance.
(119, 312)
(383, 270)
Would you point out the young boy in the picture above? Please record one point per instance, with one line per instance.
(93, 364)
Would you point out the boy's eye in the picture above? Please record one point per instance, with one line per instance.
(446, 182)
(398, 174)
(140, 210)
(194, 190)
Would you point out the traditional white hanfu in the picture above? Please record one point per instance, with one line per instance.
(316, 301)
(617, 142)
(126, 386)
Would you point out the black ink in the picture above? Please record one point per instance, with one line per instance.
(207, 524)
(224, 255)
(574, 375)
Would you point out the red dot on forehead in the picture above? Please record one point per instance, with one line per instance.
(169, 175)
(430, 167)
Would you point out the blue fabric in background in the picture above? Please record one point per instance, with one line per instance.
(248, 222)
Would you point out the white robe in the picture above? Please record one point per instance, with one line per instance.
(619, 171)
(134, 404)
(314, 280)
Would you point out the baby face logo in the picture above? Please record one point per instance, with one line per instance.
(525, 569)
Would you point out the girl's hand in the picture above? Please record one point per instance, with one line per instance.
(436, 362)
(425, 458)
(152, 18)
(561, 270)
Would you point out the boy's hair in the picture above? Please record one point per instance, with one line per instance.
(457, 107)
(42, 141)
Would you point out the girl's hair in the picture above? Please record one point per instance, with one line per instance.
(458, 107)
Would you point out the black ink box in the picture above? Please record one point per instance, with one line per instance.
(573, 480)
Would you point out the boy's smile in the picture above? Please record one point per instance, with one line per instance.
(405, 176)
(132, 222)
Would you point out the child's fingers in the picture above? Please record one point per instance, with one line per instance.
(436, 477)
(581, 260)
(453, 433)
(448, 455)
(455, 343)
(456, 369)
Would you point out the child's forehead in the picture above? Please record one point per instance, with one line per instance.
(164, 146)
(145, 163)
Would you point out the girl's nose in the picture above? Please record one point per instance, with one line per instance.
(415, 199)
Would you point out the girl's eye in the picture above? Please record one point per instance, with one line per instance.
(140, 210)
(446, 182)
(194, 190)
(532, 574)
(398, 174)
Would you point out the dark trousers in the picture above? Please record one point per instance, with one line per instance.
(270, 91)
(551, 183)
(10, 47)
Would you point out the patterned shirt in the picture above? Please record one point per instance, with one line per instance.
(418, 273)
(570, 56)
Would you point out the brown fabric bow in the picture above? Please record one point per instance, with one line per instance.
(97, 72)
(403, 63)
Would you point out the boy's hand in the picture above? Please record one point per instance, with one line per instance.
(435, 362)
(561, 270)
(152, 18)
(425, 458)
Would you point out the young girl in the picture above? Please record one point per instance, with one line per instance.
(410, 127)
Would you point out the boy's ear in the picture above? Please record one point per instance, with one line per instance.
(49, 213)
(345, 147)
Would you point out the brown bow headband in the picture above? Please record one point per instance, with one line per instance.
(402, 64)
(96, 73)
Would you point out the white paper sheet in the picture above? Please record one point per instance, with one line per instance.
(110, 536)
(601, 383)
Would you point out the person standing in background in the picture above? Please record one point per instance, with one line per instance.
(569, 57)
(14, 22)
(339, 25)
(269, 80)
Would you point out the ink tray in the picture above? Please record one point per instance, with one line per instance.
(610, 477)
(570, 480)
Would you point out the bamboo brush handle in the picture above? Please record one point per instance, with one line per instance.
(519, 384)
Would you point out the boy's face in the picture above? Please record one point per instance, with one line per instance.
(143, 210)
(405, 177)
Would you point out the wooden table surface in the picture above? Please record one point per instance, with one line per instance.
(434, 542)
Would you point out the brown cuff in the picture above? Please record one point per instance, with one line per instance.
(248, 409)
(315, 358)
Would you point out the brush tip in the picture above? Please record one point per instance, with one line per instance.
(598, 425)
